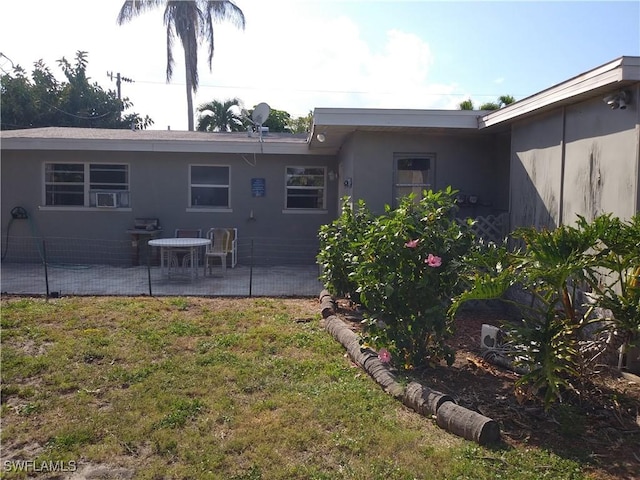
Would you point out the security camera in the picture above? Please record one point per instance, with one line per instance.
(612, 101)
(624, 97)
(618, 100)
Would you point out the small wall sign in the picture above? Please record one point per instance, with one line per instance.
(258, 187)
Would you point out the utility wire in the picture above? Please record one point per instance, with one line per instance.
(2, 55)
(80, 117)
(303, 90)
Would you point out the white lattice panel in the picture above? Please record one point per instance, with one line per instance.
(492, 228)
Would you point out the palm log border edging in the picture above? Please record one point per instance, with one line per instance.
(450, 416)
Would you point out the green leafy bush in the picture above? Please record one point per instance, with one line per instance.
(555, 268)
(404, 267)
(616, 285)
(339, 248)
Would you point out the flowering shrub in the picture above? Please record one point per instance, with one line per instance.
(408, 275)
(403, 266)
(384, 356)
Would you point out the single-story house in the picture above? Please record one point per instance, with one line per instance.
(570, 149)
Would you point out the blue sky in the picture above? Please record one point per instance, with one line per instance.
(296, 55)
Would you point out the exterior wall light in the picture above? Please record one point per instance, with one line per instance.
(321, 137)
(618, 100)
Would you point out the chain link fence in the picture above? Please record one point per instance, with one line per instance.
(81, 266)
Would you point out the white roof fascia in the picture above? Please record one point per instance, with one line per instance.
(631, 68)
(280, 148)
(365, 117)
(623, 68)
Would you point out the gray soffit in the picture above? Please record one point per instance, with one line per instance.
(334, 125)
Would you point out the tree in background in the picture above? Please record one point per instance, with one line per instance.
(466, 105)
(230, 116)
(43, 101)
(278, 121)
(281, 121)
(191, 21)
(216, 116)
(301, 124)
(503, 101)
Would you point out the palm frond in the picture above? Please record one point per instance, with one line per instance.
(132, 8)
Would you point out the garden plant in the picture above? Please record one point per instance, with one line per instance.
(577, 281)
(413, 267)
(404, 267)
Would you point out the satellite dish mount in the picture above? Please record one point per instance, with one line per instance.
(259, 116)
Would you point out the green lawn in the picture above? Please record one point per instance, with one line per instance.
(194, 388)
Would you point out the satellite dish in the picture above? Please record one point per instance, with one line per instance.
(260, 113)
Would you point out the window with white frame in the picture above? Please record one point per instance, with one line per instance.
(86, 184)
(305, 188)
(209, 186)
(413, 174)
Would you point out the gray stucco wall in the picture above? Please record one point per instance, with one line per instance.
(474, 164)
(601, 161)
(159, 187)
(577, 160)
(536, 171)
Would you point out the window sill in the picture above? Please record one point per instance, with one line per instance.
(78, 208)
(208, 210)
(305, 211)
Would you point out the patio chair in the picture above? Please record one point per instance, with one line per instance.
(232, 246)
(218, 249)
(181, 256)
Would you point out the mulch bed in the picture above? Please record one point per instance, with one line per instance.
(601, 427)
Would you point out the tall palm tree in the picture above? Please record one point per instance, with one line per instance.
(192, 22)
(216, 116)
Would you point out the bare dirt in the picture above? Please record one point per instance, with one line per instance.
(600, 427)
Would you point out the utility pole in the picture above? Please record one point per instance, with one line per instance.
(119, 81)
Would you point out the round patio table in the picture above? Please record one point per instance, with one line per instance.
(169, 245)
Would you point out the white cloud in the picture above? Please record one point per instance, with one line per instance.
(288, 57)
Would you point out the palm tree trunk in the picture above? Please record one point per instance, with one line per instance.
(189, 102)
(188, 69)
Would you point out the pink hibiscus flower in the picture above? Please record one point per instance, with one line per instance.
(384, 356)
(433, 261)
(412, 243)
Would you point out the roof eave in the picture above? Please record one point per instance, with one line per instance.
(623, 69)
(338, 123)
(63, 144)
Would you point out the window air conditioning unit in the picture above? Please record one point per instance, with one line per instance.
(106, 199)
(110, 199)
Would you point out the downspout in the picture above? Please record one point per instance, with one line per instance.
(563, 151)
